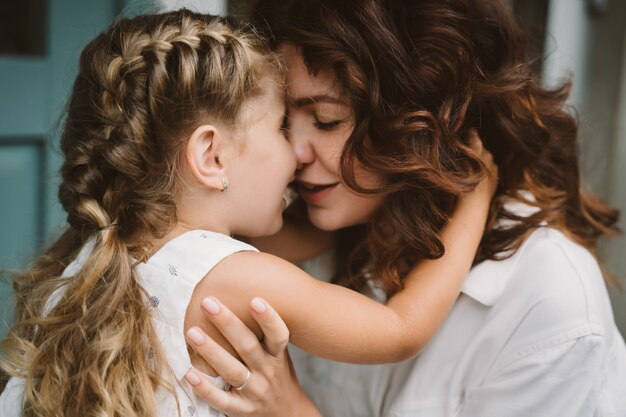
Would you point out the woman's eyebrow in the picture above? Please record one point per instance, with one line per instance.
(321, 98)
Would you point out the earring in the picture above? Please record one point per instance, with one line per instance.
(224, 184)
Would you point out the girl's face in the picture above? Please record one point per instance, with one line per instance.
(320, 120)
(264, 167)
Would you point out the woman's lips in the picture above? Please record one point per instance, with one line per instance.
(314, 193)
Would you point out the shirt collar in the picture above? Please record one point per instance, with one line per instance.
(486, 281)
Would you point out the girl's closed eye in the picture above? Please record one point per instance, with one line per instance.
(284, 126)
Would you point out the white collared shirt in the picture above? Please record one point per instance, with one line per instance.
(529, 336)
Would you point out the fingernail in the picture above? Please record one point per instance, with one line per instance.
(192, 378)
(211, 305)
(195, 336)
(258, 305)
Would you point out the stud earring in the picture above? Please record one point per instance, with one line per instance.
(224, 184)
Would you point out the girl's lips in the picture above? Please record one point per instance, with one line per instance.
(314, 193)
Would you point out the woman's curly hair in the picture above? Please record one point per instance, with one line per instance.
(85, 343)
(418, 74)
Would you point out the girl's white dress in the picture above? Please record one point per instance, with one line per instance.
(169, 277)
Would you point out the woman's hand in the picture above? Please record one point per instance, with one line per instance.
(271, 387)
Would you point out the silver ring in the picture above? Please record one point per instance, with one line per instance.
(242, 386)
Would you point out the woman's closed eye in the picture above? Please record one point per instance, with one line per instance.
(327, 125)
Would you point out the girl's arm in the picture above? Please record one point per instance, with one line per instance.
(264, 357)
(340, 324)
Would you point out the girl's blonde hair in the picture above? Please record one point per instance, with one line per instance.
(142, 87)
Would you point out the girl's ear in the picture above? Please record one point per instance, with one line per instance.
(205, 150)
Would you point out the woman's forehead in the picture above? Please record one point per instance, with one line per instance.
(303, 87)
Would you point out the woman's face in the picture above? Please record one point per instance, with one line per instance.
(320, 121)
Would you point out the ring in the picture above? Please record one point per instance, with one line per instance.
(242, 386)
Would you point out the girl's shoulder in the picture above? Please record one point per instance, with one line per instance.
(242, 276)
(195, 253)
(253, 268)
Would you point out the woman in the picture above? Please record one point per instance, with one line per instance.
(393, 85)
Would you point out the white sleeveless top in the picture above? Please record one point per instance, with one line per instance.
(170, 277)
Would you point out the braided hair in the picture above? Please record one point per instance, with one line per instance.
(143, 86)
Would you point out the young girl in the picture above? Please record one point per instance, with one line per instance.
(173, 142)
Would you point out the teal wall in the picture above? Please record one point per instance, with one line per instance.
(33, 91)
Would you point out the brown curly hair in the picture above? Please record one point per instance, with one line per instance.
(418, 74)
(86, 344)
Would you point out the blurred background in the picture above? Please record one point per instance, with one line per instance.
(40, 41)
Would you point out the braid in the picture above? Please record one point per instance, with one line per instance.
(142, 87)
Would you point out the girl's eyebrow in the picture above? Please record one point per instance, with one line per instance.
(321, 98)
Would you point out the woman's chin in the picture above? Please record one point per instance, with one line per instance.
(344, 209)
(325, 219)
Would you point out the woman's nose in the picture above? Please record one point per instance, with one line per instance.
(305, 154)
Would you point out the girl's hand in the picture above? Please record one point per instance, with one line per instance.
(488, 185)
(272, 388)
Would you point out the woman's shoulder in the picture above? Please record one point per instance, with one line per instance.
(561, 282)
(551, 260)
(555, 295)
